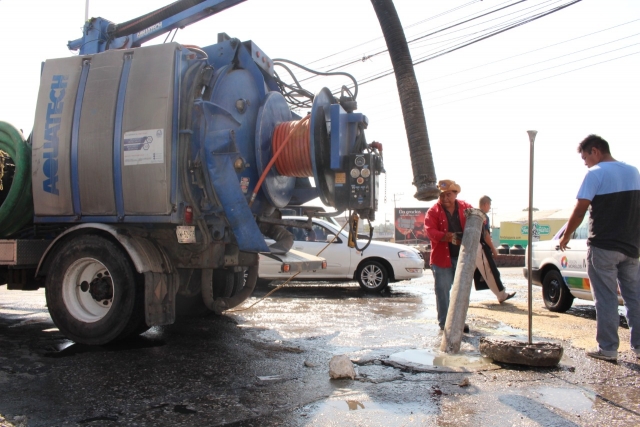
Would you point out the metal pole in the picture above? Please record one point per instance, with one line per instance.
(532, 138)
(86, 11)
(461, 290)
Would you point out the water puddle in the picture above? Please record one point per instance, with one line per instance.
(268, 378)
(625, 397)
(14, 311)
(574, 401)
(501, 329)
(363, 412)
(435, 361)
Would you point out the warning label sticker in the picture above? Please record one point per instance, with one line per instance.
(143, 147)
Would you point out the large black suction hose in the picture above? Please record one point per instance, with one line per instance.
(424, 174)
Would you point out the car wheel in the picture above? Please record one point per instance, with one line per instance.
(555, 293)
(372, 276)
(93, 292)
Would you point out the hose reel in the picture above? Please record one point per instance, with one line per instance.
(328, 146)
(16, 209)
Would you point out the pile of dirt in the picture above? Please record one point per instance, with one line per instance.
(571, 326)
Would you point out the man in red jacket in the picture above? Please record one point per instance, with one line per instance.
(444, 223)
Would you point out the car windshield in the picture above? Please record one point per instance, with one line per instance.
(327, 229)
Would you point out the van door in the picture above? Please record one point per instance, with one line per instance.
(573, 262)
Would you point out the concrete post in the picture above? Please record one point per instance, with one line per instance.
(461, 291)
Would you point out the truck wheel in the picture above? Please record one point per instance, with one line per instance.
(227, 283)
(372, 276)
(555, 293)
(93, 293)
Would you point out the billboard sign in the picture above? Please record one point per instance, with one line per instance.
(409, 225)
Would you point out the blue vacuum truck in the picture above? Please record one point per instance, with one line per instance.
(154, 173)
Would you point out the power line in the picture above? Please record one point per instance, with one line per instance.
(502, 28)
(430, 34)
(526, 83)
(533, 8)
(446, 26)
(361, 59)
(529, 52)
(538, 80)
(539, 71)
(412, 25)
(533, 50)
(538, 7)
(542, 62)
(495, 33)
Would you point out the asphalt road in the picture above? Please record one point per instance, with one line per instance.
(268, 366)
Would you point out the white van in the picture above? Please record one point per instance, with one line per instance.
(562, 275)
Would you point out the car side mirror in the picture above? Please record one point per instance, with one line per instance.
(330, 238)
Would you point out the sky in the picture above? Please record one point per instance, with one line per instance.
(566, 75)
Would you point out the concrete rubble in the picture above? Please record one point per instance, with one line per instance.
(341, 367)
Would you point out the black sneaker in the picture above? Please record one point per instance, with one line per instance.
(598, 354)
(465, 330)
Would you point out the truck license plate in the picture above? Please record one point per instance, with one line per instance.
(186, 233)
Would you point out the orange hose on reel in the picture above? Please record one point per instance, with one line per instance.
(278, 152)
(295, 158)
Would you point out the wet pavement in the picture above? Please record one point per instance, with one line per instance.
(268, 366)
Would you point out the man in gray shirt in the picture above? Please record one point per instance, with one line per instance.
(612, 191)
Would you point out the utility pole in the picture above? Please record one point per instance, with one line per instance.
(396, 199)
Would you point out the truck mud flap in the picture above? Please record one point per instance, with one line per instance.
(160, 298)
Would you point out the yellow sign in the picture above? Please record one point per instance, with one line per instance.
(517, 232)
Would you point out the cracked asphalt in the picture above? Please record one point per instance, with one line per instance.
(268, 366)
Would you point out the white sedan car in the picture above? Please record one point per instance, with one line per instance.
(562, 275)
(373, 268)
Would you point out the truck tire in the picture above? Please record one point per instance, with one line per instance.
(372, 276)
(93, 293)
(555, 293)
(227, 283)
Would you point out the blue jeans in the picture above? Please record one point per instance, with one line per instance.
(444, 280)
(607, 270)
